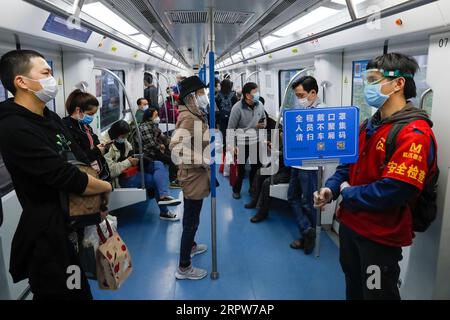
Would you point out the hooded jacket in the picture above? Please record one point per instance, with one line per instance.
(32, 148)
(376, 204)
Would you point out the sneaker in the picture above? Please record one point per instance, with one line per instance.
(190, 273)
(297, 244)
(260, 216)
(251, 205)
(169, 201)
(169, 216)
(175, 185)
(309, 243)
(236, 195)
(198, 249)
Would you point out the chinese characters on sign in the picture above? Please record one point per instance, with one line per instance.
(319, 134)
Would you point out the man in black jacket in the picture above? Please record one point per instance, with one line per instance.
(151, 92)
(33, 141)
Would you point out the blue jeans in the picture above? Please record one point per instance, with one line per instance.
(302, 186)
(158, 181)
(191, 220)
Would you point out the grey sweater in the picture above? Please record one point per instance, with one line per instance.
(246, 118)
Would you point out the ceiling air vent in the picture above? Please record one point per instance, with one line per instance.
(220, 17)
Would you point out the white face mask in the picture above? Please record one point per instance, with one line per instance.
(203, 101)
(144, 108)
(157, 120)
(49, 89)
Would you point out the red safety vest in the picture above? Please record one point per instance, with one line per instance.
(409, 164)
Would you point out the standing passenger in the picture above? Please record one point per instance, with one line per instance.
(303, 181)
(225, 100)
(33, 140)
(375, 214)
(248, 117)
(190, 147)
(151, 92)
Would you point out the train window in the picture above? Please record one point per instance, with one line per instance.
(3, 93)
(113, 99)
(284, 77)
(358, 89)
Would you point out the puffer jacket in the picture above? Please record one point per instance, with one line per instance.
(190, 150)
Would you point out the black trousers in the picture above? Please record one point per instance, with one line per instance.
(371, 269)
(243, 156)
(261, 187)
(191, 220)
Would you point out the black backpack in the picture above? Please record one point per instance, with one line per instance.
(226, 104)
(424, 208)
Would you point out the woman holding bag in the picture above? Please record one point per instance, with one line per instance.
(193, 159)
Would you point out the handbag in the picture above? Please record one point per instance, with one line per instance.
(114, 264)
(80, 206)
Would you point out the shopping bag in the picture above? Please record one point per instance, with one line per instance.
(233, 172)
(114, 264)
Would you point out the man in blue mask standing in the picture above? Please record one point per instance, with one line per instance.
(247, 117)
(380, 190)
(303, 181)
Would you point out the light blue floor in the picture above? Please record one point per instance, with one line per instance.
(255, 260)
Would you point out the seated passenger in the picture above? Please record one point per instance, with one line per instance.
(142, 104)
(303, 181)
(378, 194)
(121, 162)
(260, 190)
(82, 107)
(172, 110)
(156, 144)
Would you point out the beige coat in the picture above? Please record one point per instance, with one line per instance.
(190, 150)
(112, 158)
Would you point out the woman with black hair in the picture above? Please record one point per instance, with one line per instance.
(82, 107)
(124, 168)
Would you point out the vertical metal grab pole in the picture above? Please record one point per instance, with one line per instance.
(319, 212)
(212, 116)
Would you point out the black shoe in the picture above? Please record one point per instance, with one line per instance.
(309, 237)
(236, 195)
(251, 205)
(259, 217)
(297, 244)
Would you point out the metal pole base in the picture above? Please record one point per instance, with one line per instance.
(214, 275)
(318, 230)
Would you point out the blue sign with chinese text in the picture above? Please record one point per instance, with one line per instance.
(321, 134)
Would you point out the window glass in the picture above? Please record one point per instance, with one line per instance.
(113, 101)
(421, 84)
(284, 77)
(3, 93)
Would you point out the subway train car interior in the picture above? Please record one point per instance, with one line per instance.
(224, 150)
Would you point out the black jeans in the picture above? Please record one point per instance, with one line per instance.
(261, 187)
(191, 220)
(359, 258)
(244, 155)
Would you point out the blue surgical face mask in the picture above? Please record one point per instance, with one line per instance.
(256, 98)
(87, 119)
(120, 140)
(373, 95)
